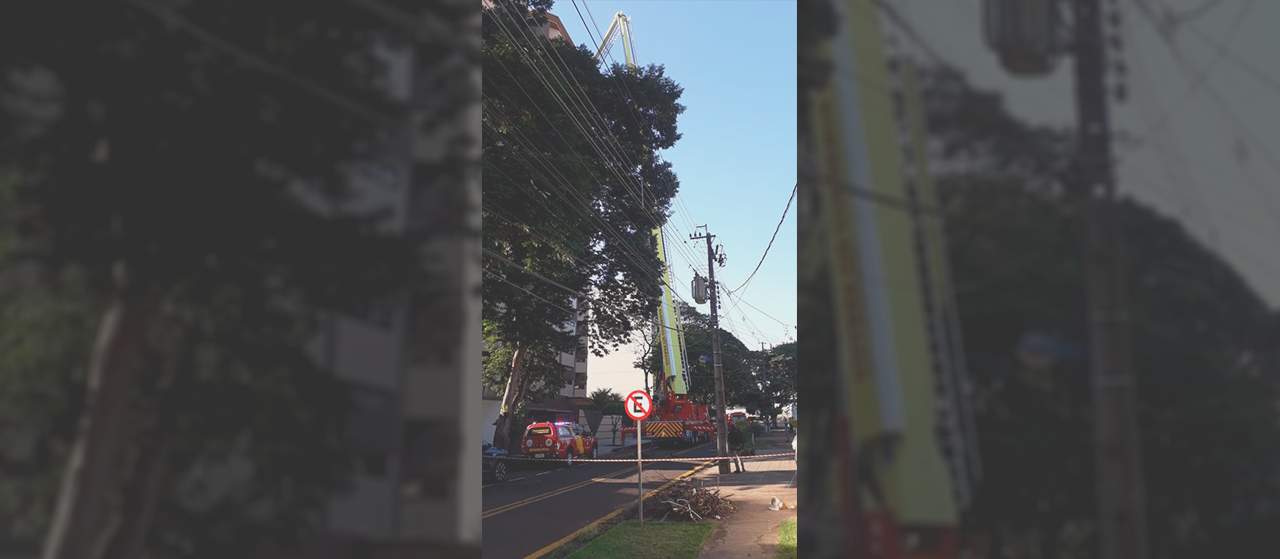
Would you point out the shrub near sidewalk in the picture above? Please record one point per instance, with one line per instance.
(653, 540)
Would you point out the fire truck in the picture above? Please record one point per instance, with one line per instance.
(675, 420)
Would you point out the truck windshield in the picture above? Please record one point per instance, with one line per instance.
(538, 432)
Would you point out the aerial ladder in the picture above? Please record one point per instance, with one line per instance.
(900, 454)
(675, 419)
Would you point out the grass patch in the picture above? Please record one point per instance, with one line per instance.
(787, 540)
(654, 540)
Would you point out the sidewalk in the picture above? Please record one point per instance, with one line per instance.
(752, 529)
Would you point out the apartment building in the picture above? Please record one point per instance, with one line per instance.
(417, 488)
(571, 404)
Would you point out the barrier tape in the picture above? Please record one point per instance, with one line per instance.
(618, 460)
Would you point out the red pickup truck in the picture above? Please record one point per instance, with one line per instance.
(558, 440)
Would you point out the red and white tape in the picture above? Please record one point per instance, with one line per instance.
(612, 460)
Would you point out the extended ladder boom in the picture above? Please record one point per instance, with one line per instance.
(621, 26)
(670, 326)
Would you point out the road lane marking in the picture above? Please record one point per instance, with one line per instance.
(570, 537)
(512, 506)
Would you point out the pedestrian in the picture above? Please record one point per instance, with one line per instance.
(795, 443)
(736, 442)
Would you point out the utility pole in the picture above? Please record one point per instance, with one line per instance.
(1118, 460)
(722, 428)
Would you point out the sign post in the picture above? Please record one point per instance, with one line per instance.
(638, 406)
(639, 474)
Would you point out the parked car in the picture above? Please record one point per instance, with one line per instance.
(493, 465)
(558, 440)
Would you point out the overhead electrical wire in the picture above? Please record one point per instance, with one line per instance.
(771, 239)
(1224, 108)
(621, 86)
(583, 101)
(673, 248)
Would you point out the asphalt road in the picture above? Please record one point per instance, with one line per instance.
(540, 504)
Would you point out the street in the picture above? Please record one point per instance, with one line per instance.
(540, 504)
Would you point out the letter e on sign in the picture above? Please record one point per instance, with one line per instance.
(638, 405)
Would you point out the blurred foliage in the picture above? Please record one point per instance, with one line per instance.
(193, 144)
(1205, 352)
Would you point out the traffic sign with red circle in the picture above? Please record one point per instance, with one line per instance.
(638, 405)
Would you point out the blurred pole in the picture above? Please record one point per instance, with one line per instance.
(1121, 511)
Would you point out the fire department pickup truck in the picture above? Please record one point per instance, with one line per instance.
(557, 440)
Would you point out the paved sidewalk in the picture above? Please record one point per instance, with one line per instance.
(752, 529)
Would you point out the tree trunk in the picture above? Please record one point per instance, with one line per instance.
(503, 429)
(127, 535)
(86, 481)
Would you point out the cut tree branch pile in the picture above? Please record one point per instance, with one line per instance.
(693, 504)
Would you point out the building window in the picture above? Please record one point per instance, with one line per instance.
(580, 383)
(568, 373)
(581, 355)
(429, 462)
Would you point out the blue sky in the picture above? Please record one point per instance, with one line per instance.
(737, 158)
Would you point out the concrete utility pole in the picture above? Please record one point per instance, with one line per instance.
(722, 428)
(1118, 460)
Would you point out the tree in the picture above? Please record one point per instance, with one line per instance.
(158, 168)
(780, 376)
(604, 396)
(573, 185)
(1204, 350)
(735, 361)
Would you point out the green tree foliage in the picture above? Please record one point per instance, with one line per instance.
(735, 361)
(609, 402)
(153, 156)
(573, 185)
(781, 375)
(1204, 349)
(603, 396)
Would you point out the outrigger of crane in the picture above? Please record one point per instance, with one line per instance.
(621, 27)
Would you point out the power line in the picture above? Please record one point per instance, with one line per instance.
(582, 102)
(771, 317)
(771, 239)
(527, 290)
(1199, 81)
(503, 259)
(170, 17)
(1224, 108)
